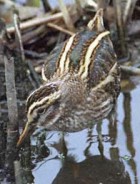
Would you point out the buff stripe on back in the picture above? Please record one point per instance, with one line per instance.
(83, 70)
(64, 61)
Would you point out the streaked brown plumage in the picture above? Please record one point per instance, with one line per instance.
(82, 83)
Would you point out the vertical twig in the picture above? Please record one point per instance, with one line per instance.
(79, 7)
(130, 5)
(18, 173)
(46, 5)
(120, 27)
(26, 163)
(33, 72)
(26, 176)
(23, 176)
(20, 45)
(66, 15)
(2, 140)
(12, 125)
(102, 4)
(2, 133)
(18, 36)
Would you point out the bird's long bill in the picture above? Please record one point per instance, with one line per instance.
(24, 135)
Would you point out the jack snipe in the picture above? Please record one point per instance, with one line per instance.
(82, 83)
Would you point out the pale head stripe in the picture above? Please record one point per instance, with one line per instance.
(43, 86)
(83, 71)
(67, 64)
(63, 58)
(49, 98)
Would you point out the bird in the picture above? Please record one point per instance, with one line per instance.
(81, 83)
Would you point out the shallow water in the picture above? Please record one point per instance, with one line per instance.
(65, 158)
(84, 163)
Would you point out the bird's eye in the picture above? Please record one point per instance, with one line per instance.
(41, 111)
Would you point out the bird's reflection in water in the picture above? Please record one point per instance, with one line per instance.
(93, 170)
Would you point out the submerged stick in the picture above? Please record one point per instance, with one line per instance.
(130, 70)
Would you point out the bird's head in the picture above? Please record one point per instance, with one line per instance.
(47, 104)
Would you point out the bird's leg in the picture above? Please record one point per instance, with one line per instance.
(100, 144)
(113, 115)
(89, 141)
(63, 143)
